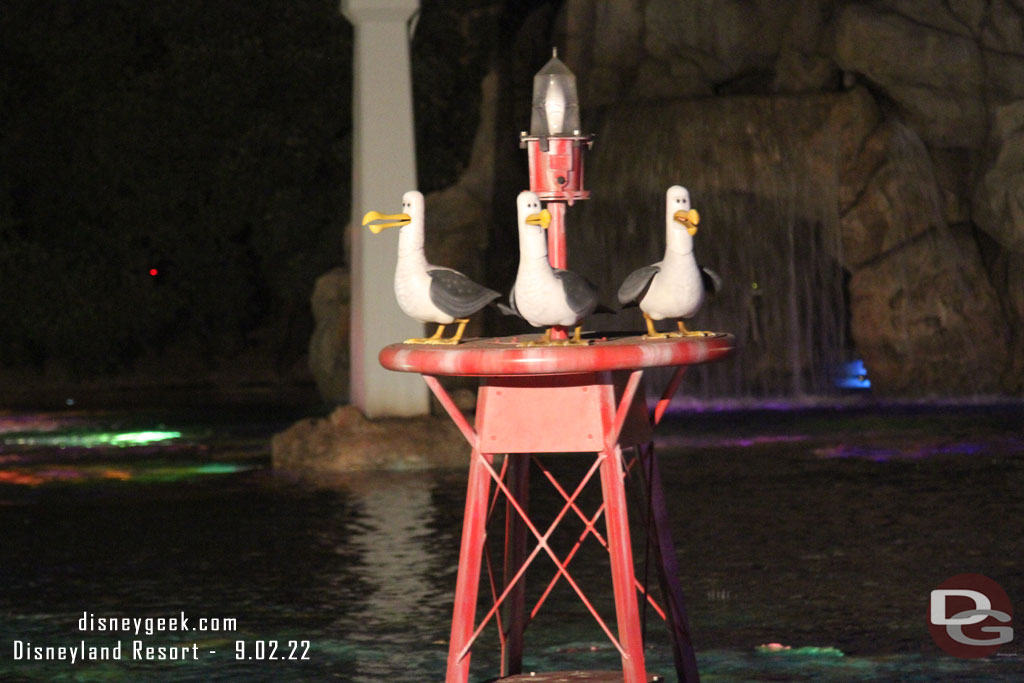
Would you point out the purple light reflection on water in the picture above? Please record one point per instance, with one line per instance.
(827, 551)
(878, 454)
(62, 474)
(681, 441)
(961, 449)
(919, 450)
(875, 453)
(849, 428)
(682, 405)
(42, 422)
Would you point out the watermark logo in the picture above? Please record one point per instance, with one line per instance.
(969, 616)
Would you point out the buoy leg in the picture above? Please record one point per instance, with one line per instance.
(668, 569)
(621, 554)
(474, 531)
(516, 614)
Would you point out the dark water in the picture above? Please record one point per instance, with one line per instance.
(818, 529)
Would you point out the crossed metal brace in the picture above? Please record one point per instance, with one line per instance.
(562, 565)
(589, 529)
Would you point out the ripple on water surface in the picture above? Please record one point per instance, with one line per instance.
(821, 530)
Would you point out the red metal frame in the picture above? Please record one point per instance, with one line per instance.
(557, 254)
(503, 357)
(517, 415)
(589, 529)
(514, 417)
(556, 175)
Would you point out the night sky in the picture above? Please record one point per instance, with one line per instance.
(174, 175)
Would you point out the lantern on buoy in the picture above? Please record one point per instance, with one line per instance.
(555, 148)
(555, 143)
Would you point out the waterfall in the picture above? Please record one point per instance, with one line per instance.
(762, 172)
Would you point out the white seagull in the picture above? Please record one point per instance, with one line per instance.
(675, 286)
(542, 295)
(429, 294)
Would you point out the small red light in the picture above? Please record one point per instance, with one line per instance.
(154, 272)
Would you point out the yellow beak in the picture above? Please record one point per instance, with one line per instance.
(689, 219)
(397, 218)
(543, 219)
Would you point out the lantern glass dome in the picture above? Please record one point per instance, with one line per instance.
(556, 109)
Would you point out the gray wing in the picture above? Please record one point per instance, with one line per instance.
(456, 294)
(580, 293)
(636, 284)
(511, 308)
(712, 281)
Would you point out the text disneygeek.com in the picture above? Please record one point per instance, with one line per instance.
(137, 649)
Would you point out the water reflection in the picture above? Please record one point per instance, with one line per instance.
(814, 529)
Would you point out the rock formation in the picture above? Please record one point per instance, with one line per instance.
(884, 139)
(928, 127)
(328, 347)
(345, 441)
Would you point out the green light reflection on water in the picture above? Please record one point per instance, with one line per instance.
(179, 473)
(120, 472)
(141, 438)
(95, 439)
(806, 651)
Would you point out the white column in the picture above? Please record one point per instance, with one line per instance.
(383, 168)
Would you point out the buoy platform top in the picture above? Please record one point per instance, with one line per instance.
(504, 356)
(572, 677)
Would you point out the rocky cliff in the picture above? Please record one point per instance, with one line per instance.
(859, 165)
(924, 127)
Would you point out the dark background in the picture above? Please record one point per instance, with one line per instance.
(175, 177)
(210, 144)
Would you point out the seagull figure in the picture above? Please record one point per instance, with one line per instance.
(542, 295)
(427, 293)
(675, 286)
